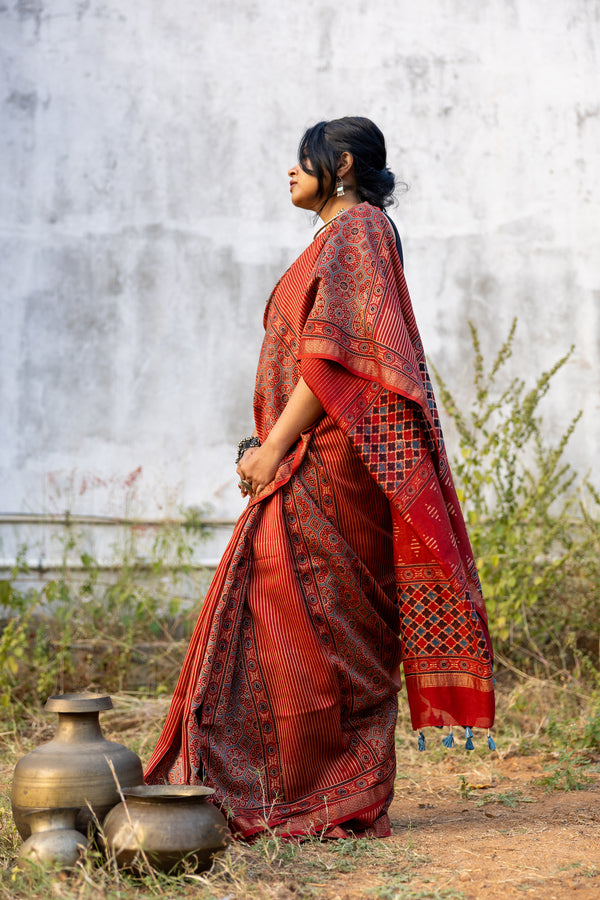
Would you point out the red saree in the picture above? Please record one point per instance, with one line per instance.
(353, 561)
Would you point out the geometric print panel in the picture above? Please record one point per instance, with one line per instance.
(390, 437)
(435, 623)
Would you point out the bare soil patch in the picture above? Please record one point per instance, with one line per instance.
(509, 838)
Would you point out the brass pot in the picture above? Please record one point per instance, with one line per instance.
(72, 769)
(54, 839)
(167, 824)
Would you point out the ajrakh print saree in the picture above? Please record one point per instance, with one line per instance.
(352, 565)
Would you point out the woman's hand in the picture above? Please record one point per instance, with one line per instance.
(257, 467)
(240, 469)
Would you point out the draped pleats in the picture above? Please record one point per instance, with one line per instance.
(294, 705)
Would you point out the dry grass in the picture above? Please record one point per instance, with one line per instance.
(357, 869)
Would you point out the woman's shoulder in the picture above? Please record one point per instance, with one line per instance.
(363, 222)
(363, 212)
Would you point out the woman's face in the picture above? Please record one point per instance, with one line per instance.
(304, 188)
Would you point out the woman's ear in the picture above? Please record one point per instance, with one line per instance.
(345, 163)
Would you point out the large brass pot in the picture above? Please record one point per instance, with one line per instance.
(73, 770)
(169, 825)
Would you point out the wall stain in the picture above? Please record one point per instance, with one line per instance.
(24, 101)
(584, 114)
(30, 9)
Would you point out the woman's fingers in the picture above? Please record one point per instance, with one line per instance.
(256, 470)
(247, 489)
(244, 485)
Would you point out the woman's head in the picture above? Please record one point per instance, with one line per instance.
(323, 145)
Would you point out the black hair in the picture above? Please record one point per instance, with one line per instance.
(323, 144)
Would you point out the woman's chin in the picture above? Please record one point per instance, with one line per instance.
(304, 203)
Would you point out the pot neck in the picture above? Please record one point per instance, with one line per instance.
(51, 819)
(80, 727)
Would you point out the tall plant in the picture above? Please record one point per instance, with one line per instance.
(519, 498)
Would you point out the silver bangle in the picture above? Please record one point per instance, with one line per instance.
(246, 444)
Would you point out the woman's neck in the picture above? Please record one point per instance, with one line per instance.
(335, 205)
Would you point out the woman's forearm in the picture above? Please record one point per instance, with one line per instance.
(299, 414)
(258, 465)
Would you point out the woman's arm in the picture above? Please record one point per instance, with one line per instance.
(258, 465)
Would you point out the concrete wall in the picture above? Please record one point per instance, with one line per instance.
(144, 217)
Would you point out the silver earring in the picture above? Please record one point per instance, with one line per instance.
(339, 190)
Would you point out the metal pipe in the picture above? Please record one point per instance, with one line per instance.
(45, 567)
(80, 519)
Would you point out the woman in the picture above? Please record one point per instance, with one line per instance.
(351, 556)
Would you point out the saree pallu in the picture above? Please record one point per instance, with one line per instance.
(354, 560)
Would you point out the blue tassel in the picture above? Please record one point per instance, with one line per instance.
(491, 742)
(421, 741)
(469, 739)
(448, 741)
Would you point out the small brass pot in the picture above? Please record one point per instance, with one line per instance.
(53, 839)
(72, 770)
(168, 824)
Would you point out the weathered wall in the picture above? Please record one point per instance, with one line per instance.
(144, 216)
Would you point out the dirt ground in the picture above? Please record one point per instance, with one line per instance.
(486, 830)
(474, 825)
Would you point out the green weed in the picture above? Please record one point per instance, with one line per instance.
(532, 522)
(464, 788)
(113, 630)
(591, 734)
(399, 888)
(568, 773)
(508, 798)
(580, 869)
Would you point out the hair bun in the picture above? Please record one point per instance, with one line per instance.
(324, 143)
